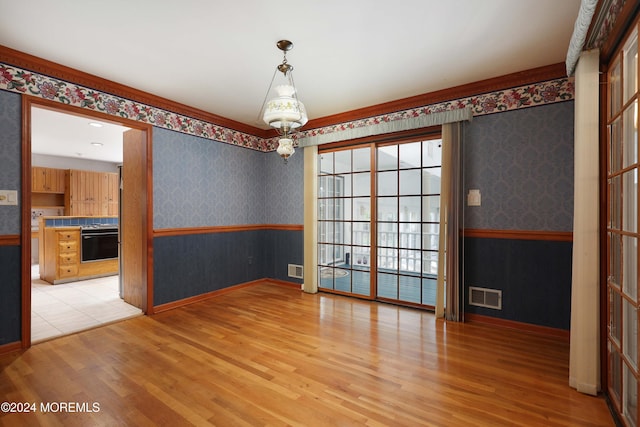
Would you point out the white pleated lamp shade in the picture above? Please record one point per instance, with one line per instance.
(285, 111)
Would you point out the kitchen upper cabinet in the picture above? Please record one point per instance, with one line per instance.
(110, 191)
(47, 180)
(91, 193)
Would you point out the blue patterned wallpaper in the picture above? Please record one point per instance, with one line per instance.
(199, 183)
(284, 188)
(10, 158)
(522, 162)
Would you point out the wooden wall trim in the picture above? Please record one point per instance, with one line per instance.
(197, 298)
(10, 347)
(282, 283)
(10, 240)
(25, 230)
(521, 78)
(555, 236)
(527, 327)
(224, 229)
(68, 74)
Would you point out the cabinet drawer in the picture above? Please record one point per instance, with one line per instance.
(68, 259)
(67, 271)
(67, 235)
(66, 247)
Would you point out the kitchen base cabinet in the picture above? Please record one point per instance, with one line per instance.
(61, 254)
(60, 261)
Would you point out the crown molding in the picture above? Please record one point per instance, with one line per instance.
(507, 81)
(121, 100)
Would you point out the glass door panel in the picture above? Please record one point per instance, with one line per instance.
(342, 162)
(630, 330)
(387, 158)
(344, 218)
(362, 184)
(409, 155)
(630, 200)
(387, 286)
(630, 393)
(387, 209)
(630, 142)
(431, 181)
(630, 59)
(615, 375)
(409, 289)
(630, 267)
(408, 217)
(410, 182)
(387, 183)
(615, 148)
(615, 316)
(361, 158)
(362, 209)
(431, 153)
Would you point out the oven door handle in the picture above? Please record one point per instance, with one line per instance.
(93, 236)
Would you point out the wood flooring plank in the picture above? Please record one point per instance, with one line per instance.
(268, 355)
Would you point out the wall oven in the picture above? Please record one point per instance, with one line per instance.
(99, 243)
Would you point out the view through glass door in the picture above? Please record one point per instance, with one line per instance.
(393, 254)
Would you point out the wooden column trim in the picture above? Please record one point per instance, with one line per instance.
(25, 215)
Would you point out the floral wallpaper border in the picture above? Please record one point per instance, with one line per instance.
(18, 80)
(548, 92)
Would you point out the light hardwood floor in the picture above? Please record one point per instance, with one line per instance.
(273, 355)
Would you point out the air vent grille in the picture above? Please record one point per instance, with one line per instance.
(295, 271)
(483, 297)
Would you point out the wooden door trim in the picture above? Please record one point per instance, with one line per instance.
(25, 235)
(25, 232)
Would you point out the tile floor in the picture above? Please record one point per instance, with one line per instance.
(58, 310)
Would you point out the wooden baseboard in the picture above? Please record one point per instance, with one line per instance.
(537, 329)
(164, 232)
(283, 283)
(197, 298)
(10, 347)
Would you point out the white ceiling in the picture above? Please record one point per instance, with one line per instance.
(219, 55)
(59, 134)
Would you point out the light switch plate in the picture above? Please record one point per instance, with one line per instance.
(9, 197)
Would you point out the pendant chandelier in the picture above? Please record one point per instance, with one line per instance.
(284, 112)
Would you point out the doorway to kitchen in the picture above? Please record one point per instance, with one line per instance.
(65, 291)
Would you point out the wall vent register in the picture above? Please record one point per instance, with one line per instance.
(295, 271)
(483, 297)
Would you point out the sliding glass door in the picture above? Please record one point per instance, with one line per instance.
(392, 254)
